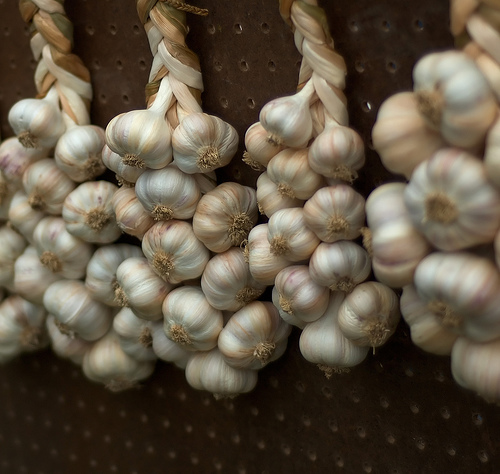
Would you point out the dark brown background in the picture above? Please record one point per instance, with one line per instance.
(399, 412)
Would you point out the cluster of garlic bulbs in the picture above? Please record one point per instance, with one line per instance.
(437, 235)
(307, 249)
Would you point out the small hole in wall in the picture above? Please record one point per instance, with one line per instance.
(90, 30)
(354, 26)
(391, 67)
(211, 29)
(366, 106)
(418, 25)
(271, 65)
(12, 64)
(136, 29)
(112, 29)
(237, 174)
(244, 66)
(359, 66)
(119, 64)
(251, 103)
(6, 31)
(265, 28)
(238, 29)
(386, 26)
(96, 63)
(142, 64)
(103, 99)
(217, 65)
(224, 102)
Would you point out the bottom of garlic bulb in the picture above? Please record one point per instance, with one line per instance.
(445, 314)
(133, 160)
(97, 218)
(179, 335)
(328, 370)
(263, 351)
(51, 261)
(27, 139)
(239, 228)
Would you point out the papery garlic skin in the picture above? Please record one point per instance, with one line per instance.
(166, 349)
(13, 245)
(22, 216)
(288, 317)
(203, 143)
(126, 175)
(88, 212)
(76, 312)
(209, 371)
(189, 320)
(15, 159)
(254, 336)
(7, 191)
(227, 282)
(492, 155)
(259, 150)
(269, 198)
(174, 252)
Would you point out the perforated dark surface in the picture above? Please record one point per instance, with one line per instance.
(399, 412)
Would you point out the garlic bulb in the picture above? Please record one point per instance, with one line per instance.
(288, 317)
(168, 193)
(140, 288)
(227, 282)
(225, 216)
(108, 364)
(451, 201)
(23, 218)
(47, 186)
(203, 143)
(72, 348)
(13, 245)
(385, 204)
(88, 212)
(269, 198)
(166, 349)
(189, 320)
(426, 330)
(59, 251)
(142, 137)
(76, 313)
(206, 181)
(290, 171)
(31, 278)
(209, 371)
(134, 335)
(335, 212)
(254, 336)
(289, 236)
(492, 155)
(174, 252)
(125, 174)
(288, 120)
(130, 215)
(463, 291)
(38, 123)
(101, 271)
(15, 159)
(7, 191)
(369, 314)
(299, 296)
(322, 342)
(340, 265)
(78, 152)
(259, 149)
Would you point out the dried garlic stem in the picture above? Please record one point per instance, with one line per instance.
(264, 351)
(239, 228)
(440, 208)
(285, 304)
(255, 165)
(27, 139)
(179, 334)
(97, 218)
(51, 261)
(120, 296)
(162, 213)
(208, 158)
(133, 160)
(367, 240)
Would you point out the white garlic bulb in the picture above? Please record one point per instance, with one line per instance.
(76, 312)
(78, 152)
(289, 318)
(13, 245)
(335, 212)
(203, 143)
(299, 296)
(227, 282)
(22, 216)
(270, 199)
(168, 193)
(101, 271)
(59, 251)
(206, 181)
(46, 186)
(125, 174)
(108, 364)
(140, 288)
(189, 320)
(88, 212)
(166, 349)
(174, 252)
(259, 149)
(209, 371)
(254, 336)
(225, 216)
(15, 159)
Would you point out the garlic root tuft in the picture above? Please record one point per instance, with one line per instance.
(447, 316)
(179, 334)
(27, 139)
(51, 261)
(240, 227)
(162, 213)
(345, 284)
(440, 208)
(146, 338)
(286, 190)
(163, 263)
(263, 351)
(208, 158)
(97, 218)
(279, 246)
(430, 105)
(247, 294)
(36, 202)
(133, 160)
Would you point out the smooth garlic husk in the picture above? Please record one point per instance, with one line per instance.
(289, 236)
(259, 150)
(102, 267)
(299, 296)
(451, 201)
(189, 320)
(78, 152)
(340, 266)
(264, 265)
(203, 143)
(134, 335)
(227, 282)
(269, 198)
(22, 327)
(38, 123)
(89, 214)
(386, 204)
(72, 348)
(369, 314)
(31, 278)
(126, 175)
(76, 312)
(140, 288)
(142, 137)
(463, 290)
(166, 349)
(289, 318)
(290, 171)
(322, 342)
(15, 159)
(168, 193)
(254, 336)
(426, 330)
(225, 216)
(335, 212)
(108, 364)
(47, 186)
(23, 218)
(475, 366)
(59, 251)
(174, 252)
(130, 215)
(13, 245)
(209, 371)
